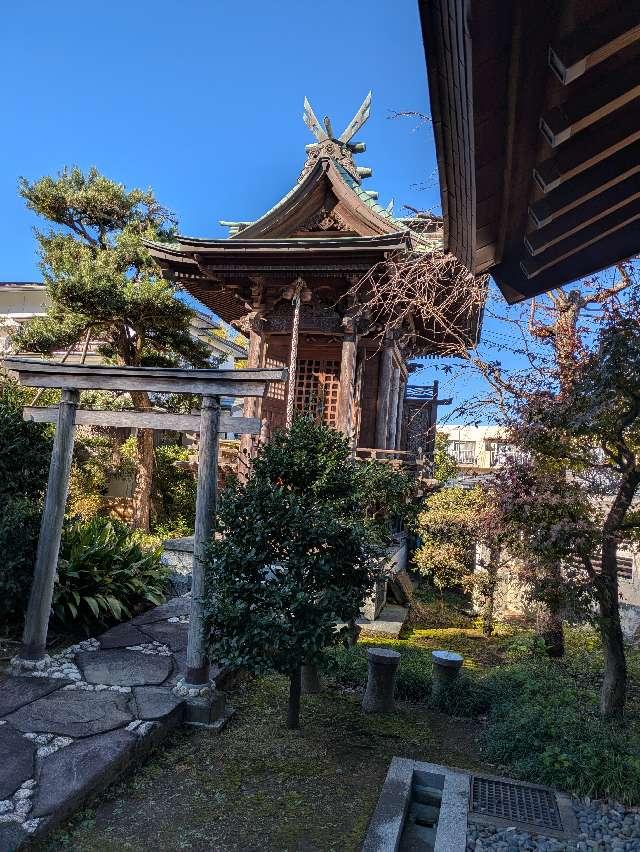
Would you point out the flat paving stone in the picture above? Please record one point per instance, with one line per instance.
(15, 692)
(12, 836)
(121, 636)
(17, 757)
(72, 773)
(157, 702)
(74, 713)
(124, 668)
(172, 634)
(171, 609)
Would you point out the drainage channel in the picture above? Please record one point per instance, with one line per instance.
(421, 822)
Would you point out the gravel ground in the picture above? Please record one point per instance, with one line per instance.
(601, 826)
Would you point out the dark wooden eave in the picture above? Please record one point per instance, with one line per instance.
(536, 113)
(221, 273)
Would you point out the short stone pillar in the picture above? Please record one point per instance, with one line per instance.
(381, 681)
(446, 668)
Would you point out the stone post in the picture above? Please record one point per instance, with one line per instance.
(446, 668)
(34, 639)
(381, 681)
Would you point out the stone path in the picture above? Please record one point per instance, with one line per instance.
(75, 721)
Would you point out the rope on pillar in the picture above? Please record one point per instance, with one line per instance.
(293, 357)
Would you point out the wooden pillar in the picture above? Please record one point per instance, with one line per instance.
(346, 407)
(34, 639)
(393, 408)
(384, 386)
(197, 664)
(293, 355)
(400, 415)
(252, 405)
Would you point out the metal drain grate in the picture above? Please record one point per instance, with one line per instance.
(517, 802)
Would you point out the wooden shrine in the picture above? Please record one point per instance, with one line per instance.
(70, 379)
(285, 279)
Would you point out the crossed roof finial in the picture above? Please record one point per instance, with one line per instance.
(321, 133)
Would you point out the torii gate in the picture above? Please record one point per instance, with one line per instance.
(71, 378)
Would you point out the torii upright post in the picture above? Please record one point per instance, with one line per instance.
(197, 662)
(34, 638)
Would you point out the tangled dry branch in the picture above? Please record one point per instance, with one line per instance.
(428, 299)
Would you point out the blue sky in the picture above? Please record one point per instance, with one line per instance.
(203, 102)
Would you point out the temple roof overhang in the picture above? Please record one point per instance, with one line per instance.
(536, 121)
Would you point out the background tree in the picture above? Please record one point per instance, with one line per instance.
(102, 285)
(593, 430)
(445, 466)
(292, 560)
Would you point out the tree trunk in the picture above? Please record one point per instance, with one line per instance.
(310, 680)
(490, 591)
(144, 474)
(550, 630)
(293, 710)
(614, 684)
(550, 619)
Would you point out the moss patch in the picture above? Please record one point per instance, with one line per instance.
(258, 786)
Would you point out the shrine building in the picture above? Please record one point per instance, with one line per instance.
(310, 249)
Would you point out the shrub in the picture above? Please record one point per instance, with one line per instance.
(291, 562)
(25, 449)
(546, 728)
(385, 498)
(174, 498)
(19, 528)
(104, 575)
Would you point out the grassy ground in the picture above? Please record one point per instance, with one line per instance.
(258, 786)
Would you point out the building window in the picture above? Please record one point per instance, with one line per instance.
(464, 452)
(625, 567)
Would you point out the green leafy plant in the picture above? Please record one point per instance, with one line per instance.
(386, 498)
(175, 486)
(292, 560)
(104, 576)
(545, 727)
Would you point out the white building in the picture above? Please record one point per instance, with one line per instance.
(477, 448)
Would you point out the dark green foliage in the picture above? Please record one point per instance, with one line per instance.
(25, 449)
(293, 557)
(104, 576)
(546, 728)
(174, 498)
(19, 529)
(385, 496)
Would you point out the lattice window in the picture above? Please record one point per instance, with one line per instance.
(317, 386)
(275, 390)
